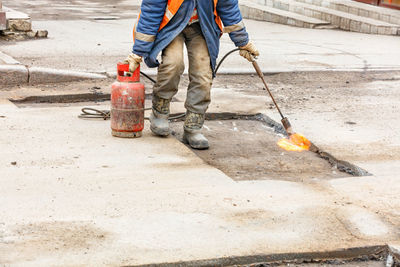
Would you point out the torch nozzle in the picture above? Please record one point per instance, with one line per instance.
(288, 127)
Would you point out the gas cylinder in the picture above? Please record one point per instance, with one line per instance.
(127, 103)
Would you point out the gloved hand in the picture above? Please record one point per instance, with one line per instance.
(249, 51)
(134, 62)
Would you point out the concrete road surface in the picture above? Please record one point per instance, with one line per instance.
(73, 195)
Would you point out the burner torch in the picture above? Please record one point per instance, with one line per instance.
(284, 120)
(295, 142)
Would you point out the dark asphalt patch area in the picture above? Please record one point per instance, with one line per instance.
(247, 150)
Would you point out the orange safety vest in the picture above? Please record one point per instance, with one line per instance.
(173, 7)
(152, 43)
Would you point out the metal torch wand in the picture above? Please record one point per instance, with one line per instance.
(285, 120)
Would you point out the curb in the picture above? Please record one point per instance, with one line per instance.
(386, 253)
(249, 71)
(13, 75)
(270, 71)
(20, 74)
(345, 254)
(38, 75)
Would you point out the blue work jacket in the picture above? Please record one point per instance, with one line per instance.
(150, 40)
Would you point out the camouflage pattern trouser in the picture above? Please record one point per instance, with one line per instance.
(172, 67)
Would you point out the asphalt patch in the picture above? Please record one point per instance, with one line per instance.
(245, 148)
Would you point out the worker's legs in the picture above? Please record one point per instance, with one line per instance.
(200, 81)
(200, 72)
(170, 69)
(168, 77)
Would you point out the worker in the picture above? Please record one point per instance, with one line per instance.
(165, 26)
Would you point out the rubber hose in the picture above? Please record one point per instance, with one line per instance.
(216, 69)
(105, 114)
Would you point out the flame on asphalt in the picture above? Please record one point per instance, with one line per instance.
(296, 142)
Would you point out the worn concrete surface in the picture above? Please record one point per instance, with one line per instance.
(83, 197)
(72, 194)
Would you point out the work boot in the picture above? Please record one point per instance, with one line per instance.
(159, 116)
(192, 131)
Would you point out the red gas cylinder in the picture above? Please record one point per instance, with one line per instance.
(127, 103)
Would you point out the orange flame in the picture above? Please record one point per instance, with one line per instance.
(296, 142)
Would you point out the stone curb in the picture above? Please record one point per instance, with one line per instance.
(39, 75)
(369, 252)
(270, 71)
(13, 75)
(19, 75)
